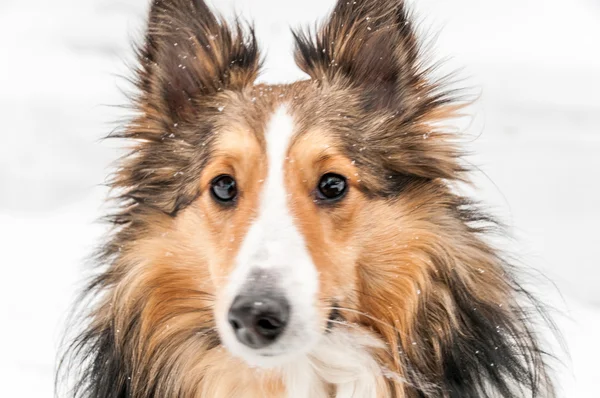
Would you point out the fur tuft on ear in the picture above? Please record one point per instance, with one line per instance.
(371, 44)
(189, 52)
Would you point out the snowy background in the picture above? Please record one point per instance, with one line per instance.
(535, 132)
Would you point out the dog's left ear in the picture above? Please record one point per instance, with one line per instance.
(190, 53)
(370, 44)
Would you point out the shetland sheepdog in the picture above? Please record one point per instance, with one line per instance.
(304, 240)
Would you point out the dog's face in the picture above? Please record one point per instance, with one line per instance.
(312, 223)
(283, 217)
(286, 200)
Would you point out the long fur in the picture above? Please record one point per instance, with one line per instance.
(465, 326)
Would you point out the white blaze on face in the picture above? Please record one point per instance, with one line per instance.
(275, 249)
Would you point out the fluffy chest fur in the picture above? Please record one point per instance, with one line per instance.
(341, 366)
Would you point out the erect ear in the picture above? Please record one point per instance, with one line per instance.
(370, 44)
(190, 53)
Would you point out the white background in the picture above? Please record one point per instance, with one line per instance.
(535, 134)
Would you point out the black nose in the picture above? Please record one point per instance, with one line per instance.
(258, 320)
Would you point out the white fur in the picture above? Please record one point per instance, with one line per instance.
(341, 359)
(274, 245)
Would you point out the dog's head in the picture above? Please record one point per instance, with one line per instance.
(267, 218)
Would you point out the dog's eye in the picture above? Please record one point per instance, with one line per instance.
(224, 188)
(331, 187)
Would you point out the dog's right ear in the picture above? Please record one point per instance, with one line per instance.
(190, 53)
(370, 44)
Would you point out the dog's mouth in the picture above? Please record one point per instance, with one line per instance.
(299, 338)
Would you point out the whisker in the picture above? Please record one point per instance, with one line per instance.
(367, 316)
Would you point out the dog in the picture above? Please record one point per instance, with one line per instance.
(305, 240)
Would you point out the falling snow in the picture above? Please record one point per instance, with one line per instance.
(537, 141)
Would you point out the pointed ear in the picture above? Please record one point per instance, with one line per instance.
(189, 53)
(366, 43)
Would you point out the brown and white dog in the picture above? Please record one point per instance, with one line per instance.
(302, 240)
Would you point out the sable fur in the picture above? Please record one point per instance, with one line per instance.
(460, 324)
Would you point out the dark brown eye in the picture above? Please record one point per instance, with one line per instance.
(331, 187)
(224, 189)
